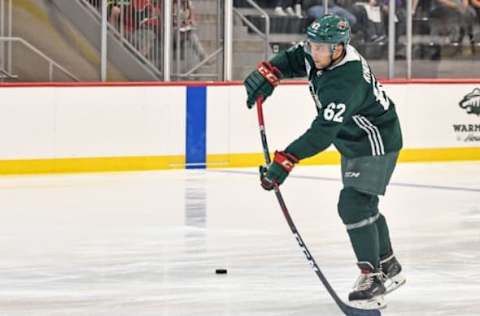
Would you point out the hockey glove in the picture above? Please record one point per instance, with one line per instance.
(261, 82)
(278, 170)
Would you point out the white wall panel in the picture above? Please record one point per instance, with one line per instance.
(288, 113)
(428, 112)
(219, 104)
(165, 120)
(49, 122)
(27, 123)
(100, 122)
(91, 122)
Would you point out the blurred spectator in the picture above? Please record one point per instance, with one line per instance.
(139, 18)
(115, 12)
(142, 20)
(184, 22)
(288, 7)
(475, 4)
(96, 3)
(315, 9)
(415, 4)
(400, 17)
(370, 21)
(456, 19)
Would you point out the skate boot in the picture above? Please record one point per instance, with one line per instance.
(392, 269)
(369, 289)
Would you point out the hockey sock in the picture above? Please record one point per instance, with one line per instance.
(365, 244)
(359, 213)
(383, 236)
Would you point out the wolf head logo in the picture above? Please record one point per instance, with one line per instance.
(471, 102)
(342, 25)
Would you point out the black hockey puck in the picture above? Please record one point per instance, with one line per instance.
(221, 271)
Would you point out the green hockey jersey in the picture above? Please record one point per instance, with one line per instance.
(354, 112)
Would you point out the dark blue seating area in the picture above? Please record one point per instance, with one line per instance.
(423, 45)
(280, 24)
(262, 3)
(295, 25)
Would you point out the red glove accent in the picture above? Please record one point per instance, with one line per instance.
(269, 72)
(286, 160)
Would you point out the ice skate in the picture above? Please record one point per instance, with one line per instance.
(369, 290)
(392, 269)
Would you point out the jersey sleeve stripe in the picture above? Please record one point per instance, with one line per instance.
(376, 133)
(373, 143)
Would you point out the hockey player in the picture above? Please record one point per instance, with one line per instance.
(358, 118)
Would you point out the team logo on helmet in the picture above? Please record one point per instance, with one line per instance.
(342, 25)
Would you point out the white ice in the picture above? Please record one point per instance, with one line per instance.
(149, 243)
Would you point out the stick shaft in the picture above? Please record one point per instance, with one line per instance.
(346, 309)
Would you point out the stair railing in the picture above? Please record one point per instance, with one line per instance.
(264, 35)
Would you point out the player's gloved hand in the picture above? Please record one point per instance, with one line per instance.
(261, 82)
(278, 170)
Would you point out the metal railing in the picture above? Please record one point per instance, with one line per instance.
(6, 75)
(5, 30)
(266, 35)
(140, 31)
(189, 54)
(190, 73)
(52, 65)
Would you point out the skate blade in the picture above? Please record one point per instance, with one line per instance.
(377, 302)
(394, 283)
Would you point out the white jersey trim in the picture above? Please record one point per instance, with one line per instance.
(377, 133)
(350, 55)
(373, 133)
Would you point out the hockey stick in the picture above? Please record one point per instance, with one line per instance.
(346, 309)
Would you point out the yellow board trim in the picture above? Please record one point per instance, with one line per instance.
(333, 157)
(141, 163)
(100, 164)
(256, 159)
(440, 154)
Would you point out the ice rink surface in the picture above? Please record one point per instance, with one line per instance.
(149, 243)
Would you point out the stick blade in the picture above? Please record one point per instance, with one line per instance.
(352, 311)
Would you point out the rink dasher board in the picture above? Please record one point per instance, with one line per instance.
(143, 126)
